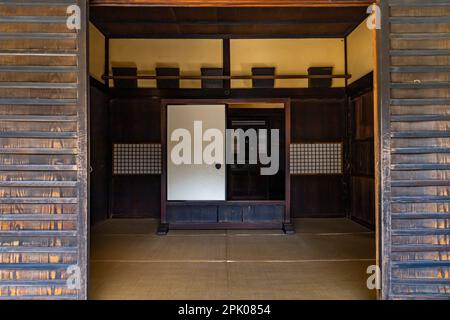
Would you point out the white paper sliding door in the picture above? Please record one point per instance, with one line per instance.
(192, 131)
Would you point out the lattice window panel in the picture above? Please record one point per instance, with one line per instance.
(137, 159)
(316, 158)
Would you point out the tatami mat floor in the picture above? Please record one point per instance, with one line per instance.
(325, 259)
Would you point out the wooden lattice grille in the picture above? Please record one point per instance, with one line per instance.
(42, 150)
(316, 158)
(137, 159)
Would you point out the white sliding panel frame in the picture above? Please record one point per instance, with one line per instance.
(194, 181)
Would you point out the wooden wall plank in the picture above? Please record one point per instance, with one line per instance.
(43, 150)
(415, 124)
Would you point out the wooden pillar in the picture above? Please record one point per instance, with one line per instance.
(226, 62)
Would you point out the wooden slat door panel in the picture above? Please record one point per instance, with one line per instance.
(43, 150)
(415, 109)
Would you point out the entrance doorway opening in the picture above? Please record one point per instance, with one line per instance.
(308, 230)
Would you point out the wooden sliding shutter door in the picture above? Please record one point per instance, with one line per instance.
(43, 150)
(414, 48)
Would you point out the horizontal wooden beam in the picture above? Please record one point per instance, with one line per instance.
(232, 3)
(148, 35)
(242, 77)
(302, 94)
(296, 22)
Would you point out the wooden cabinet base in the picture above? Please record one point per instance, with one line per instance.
(226, 215)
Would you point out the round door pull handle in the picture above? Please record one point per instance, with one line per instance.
(218, 166)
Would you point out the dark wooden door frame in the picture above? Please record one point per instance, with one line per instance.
(287, 133)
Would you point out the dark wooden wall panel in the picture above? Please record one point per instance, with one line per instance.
(136, 196)
(312, 121)
(43, 151)
(363, 200)
(362, 155)
(318, 121)
(415, 108)
(100, 153)
(135, 120)
(317, 196)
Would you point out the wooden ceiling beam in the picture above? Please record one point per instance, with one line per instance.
(226, 36)
(233, 3)
(217, 22)
(231, 23)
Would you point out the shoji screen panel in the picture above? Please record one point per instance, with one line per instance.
(43, 153)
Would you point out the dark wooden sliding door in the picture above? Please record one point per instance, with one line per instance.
(414, 47)
(317, 153)
(135, 137)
